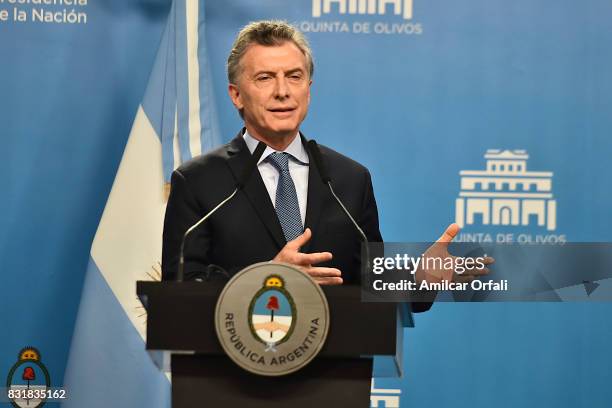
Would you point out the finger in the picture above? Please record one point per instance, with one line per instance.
(482, 270)
(300, 241)
(329, 281)
(437, 275)
(464, 278)
(314, 258)
(322, 272)
(450, 233)
(477, 272)
(488, 260)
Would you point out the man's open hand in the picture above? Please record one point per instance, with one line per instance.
(291, 254)
(440, 250)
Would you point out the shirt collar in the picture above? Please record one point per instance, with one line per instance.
(295, 149)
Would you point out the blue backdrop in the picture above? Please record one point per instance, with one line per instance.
(68, 95)
(418, 101)
(416, 90)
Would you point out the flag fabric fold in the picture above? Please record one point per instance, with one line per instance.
(108, 364)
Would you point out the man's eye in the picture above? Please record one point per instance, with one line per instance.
(264, 78)
(295, 77)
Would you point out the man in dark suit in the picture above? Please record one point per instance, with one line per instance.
(270, 69)
(247, 229)
(284, 212)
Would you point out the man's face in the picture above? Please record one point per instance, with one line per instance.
(272, 89)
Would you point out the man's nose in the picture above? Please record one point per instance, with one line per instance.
(281, 88)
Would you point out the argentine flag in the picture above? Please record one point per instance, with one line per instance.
(108, 365)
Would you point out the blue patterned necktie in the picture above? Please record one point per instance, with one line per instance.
(287, 205)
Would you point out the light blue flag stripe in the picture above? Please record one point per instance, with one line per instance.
(109, 366)
(159, 102)
(155, 91)
(210, 134)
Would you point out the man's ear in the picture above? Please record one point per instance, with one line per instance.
(234, 93)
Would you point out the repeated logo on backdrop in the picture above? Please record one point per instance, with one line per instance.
(506, 194)
(403, 7)
(364, 17)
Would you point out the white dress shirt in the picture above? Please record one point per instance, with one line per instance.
(298, 168)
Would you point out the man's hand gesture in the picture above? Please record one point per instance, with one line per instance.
(440, 250)
(291, 254)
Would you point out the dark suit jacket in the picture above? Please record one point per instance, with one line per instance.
(247, 229)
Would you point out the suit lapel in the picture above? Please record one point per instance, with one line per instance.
(255, 189)
(316, 194)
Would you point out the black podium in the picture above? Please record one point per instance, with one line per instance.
(181, 337)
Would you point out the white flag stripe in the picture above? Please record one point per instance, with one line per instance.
(129, 238)
(193, 76)
(176, 146)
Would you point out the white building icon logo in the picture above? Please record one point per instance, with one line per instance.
(506, 193)
(399, 7)
(384, 397)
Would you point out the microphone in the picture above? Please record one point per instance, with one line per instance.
(326, 179)
(240, 183)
